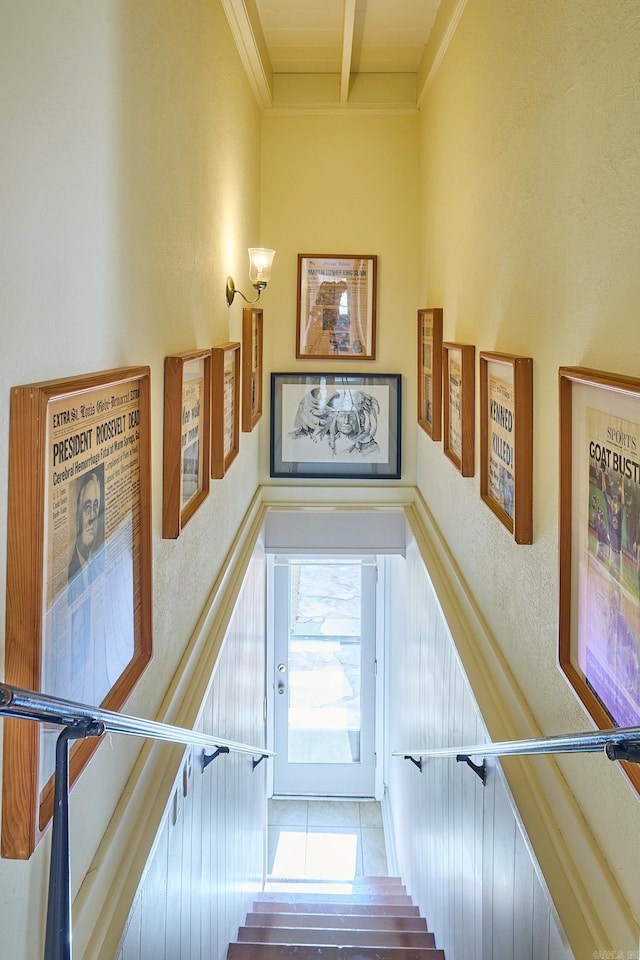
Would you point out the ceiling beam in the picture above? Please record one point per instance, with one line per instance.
(347, 48)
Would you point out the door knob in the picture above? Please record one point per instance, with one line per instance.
(281, 688)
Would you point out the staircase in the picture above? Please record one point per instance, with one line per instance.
(370, 918)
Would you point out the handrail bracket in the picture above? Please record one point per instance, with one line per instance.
(480, 769)
(208, 758)
(418, 762)
(629, 751)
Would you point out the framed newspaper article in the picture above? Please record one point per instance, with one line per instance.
(430, 372)
(78, 621)
(251, 367)
(225, 407)
(335, 426)
(187, 438)
(336, 316)
(506, 441)
(599, 627)
(458, 378)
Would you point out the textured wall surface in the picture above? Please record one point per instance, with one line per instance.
(344, 185)
(530, 213)
(122, 211)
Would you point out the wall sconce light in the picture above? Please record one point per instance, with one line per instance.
(260, 260)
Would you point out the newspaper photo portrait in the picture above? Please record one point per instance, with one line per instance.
(91, 543)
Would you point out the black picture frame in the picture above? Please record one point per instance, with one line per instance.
(336, 426)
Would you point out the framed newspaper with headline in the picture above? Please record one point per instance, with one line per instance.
(187, 438)
(78, 620)
(506, 441)
(225, 407)
(430, 371)
(336, 315)
(458, 385)
(599, 616)
(252, 349)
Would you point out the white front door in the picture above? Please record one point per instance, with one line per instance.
(324, 676)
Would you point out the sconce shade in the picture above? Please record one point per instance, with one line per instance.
(260, 260)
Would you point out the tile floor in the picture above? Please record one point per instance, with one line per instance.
(325, 840)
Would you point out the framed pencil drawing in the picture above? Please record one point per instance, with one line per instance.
(339, 426)
(458, 378)
(225, 406)
(251, 368)
(506, 441)
(430, 372)
(336, 315)
(187, 438)
(599, 622)
(78, 619)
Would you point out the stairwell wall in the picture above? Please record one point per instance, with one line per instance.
(530, 226)
(129, 189)
(208, 859)
(460, 846)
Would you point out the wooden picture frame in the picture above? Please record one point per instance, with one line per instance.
(336, 426)
(336, 307)
(187, 438)
(78, 618)
(252, 323)
(599, 616)
(225, 406)
(430, 371)
(506, 441)
(458, 384)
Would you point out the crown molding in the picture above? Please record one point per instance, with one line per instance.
(442, 34)
(244, 22)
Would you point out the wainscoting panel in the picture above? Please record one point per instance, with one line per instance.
(209, 859)
(460, 846)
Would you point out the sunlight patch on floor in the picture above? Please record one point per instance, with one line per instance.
(318, 855)
(325, 840)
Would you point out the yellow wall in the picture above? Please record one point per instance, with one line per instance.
(530, 212)
(136, 171)
(335, 184)
(130, 188)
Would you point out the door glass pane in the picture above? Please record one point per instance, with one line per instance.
(324, 713)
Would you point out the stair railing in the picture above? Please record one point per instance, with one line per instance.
(618, 743)
(79, 720)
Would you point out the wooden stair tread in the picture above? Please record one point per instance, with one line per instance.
(346, 907)
(357, 921)
(366, 898)
(336, 935)
(303, 919)
(280, 951)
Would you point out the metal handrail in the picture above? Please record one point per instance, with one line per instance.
(79, 721)
(32, 705)
(618, 743)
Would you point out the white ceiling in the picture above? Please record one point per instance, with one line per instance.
(347, 54)
(310, 36)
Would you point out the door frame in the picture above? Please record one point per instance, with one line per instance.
(380, 644)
